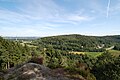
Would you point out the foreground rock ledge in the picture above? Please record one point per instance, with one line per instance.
(33, 71)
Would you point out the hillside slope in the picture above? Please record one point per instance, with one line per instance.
(77, 42)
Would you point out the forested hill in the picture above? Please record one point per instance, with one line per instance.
(77, 42)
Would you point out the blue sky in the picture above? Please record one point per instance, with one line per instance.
(58, 17)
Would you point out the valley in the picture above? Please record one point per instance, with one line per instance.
(79, 57)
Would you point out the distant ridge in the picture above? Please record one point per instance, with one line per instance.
(77, 42)
(21, 38)
(81, 35)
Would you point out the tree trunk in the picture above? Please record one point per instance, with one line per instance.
(8, 65)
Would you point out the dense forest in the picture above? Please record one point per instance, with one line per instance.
(12, 53)
(77, 42)
(58, 52)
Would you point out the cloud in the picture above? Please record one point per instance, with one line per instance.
(13, 17)
(77, 18)
(108, 7)
(36, 16)
(39, 10)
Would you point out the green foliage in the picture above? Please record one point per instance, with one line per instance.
(55, 52)
(107, 67)
(54, 58)
(117, 47)
(12, 53)
(79, 43)
(86, 74)
(74, 43)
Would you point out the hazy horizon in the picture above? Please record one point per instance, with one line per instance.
(61, 35)
(58, 17)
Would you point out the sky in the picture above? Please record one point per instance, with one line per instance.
(58, 17)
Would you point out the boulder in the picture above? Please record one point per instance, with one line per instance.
(33, 71)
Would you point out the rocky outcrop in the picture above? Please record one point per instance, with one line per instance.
(33, 71)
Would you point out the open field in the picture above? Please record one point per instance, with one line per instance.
(27, 43)
(114, 52)
(94, 54)
(91, 54)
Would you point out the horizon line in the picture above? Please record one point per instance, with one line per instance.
(62, 34)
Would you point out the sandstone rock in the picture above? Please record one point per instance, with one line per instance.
(33, 71)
